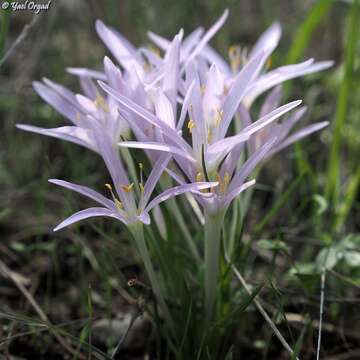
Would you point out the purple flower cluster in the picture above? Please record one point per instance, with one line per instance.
(177, 100)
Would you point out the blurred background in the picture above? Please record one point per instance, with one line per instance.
(320, 211)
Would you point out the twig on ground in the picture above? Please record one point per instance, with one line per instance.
(19, 284)
(259, 306)
(23, 35)
(322, 291)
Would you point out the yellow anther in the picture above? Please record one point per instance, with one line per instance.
(141, 166)
(101, 103)
(191, 124)
(141, 186)
(226, 178)
(199, 177)
(268, 63)
(235, 57)
(154, 50)
(209, 136)
(119, 204)
(127, 188)
(234, 50)
(218, 117)
(223, 183)
(146, 66)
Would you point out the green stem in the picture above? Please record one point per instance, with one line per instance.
(213, 226)
(171, 204)
(138, 233)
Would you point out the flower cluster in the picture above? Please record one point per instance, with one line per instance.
(188, 109)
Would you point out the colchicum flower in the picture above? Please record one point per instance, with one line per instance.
(179, 108)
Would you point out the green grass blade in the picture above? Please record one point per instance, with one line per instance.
(348, 201)
(305, 31)
(301, 41)
(4, 30)
(332, 191)
(279, 203)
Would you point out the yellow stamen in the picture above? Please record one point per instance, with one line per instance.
(127, 188)
(223, 183)
(219, 117)
(268, 63)
(146, 66)
(155, 50)
(117, 202)
(191, 125)
(101, 103)
(141, 186)
(235, 57)
(209, 136)
(199, 177)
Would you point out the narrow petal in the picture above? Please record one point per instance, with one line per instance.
(57, 101)
(125, 55)
(237, 191)
(280, 75)
(299, 135)
(87, 213)
(191, 41)
(86, 191)
(146, 115)
(239, 89)
(214, 57)
(160, 221)
(164, 109)
(159, 41)
(225, 145)
(73, 134)
(268, 41)
(272, 101)
(93, 74)
(154, 177)
(206, 38)
(156, 146)
(269, 118)
(185, 106)
(171, 72)
(178, 190)
(250, 165)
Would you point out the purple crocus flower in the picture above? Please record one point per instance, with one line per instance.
(264, 81)
(81, 111)
(211, 154)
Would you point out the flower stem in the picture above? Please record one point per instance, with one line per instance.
(138, 233)
(213, 226)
